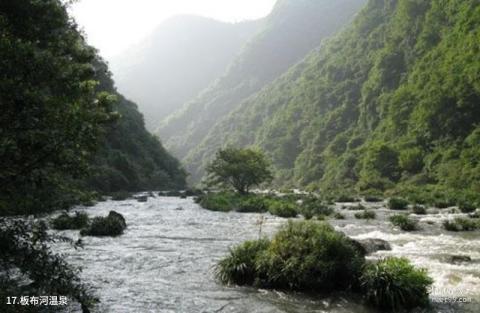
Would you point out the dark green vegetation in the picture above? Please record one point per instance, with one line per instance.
(112, 225)
(292, 260)
(404, 222)
(177, 61)
(25, 254)
(240, 169)
(461, 224)
(312, 256)
(394, 284)
(62, 117)
(366, 215)
(287, 206)
(389, 105)
(65, 221)
(397, 204)
(419, 209)
(294, 28)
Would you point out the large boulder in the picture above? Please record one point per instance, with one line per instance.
(371, 245)
(112, 225)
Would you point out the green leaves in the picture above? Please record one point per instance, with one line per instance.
(239, 168)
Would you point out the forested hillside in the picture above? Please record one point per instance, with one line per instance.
(177, 61)
(292, 29)
(64, 131)
(391, 102)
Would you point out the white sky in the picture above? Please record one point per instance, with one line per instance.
(114, 25)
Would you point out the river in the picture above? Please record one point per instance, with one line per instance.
(164, 261)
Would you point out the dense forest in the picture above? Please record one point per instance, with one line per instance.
(388, 103)
(292, 29)
(177, 61)
(65, 131)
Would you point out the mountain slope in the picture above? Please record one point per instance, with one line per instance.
(392, 101)
(130, 158)
(292, 29)
(181, 58)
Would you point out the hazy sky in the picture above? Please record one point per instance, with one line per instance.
(113, 25)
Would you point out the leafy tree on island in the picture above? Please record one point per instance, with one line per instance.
(239, 168)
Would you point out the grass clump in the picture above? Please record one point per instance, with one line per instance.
(303, 255)
(221, 202)
(240, 266)
(397, 204)
(358, 207)
(338, 216)
(461, 224)
(65, 221)
(404, 222)
(419, 209)
(282, 209)
(345, 199)
(112, 225)
(313, 207)
(365, 215)
(393, 284)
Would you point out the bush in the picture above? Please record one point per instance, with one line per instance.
(65, 221)
(467, 207)
(461, 224)
(282, 209)
(372, 198)
(112, 225)
(313, 207)
(252, 204)
(240, 266)
(397, 204)
(345, 198)
(366, 215)
(222, 202)
(303, 255)
(339, 216)
(404, 222)
(394, 284)
(419, 209)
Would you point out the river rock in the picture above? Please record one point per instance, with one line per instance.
(372, 245)
(142, 198)
(456, 259)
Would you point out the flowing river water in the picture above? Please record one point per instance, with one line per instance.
(164, 261)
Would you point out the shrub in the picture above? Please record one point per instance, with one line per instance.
(419, 209)
(467, 207)
(313, 207)
(64, 221)
(397, 204)
(394, 284)
(240, 266)
(307, 255)
(366, 215)
(222, 202)
(372, 198)
(461, 224)
(111, 225)
(303, 255)
(345, 198)
(252, 204)
(404, 222)
(339, 216)
(443, 203)
(282, 209)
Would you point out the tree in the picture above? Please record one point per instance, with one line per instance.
(52, 111)
(239, 168)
